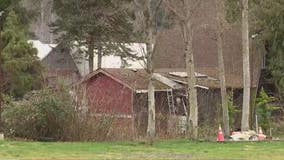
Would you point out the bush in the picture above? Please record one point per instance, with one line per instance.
(50, 114)
(92, 128)
(264, 110)
(40, 114)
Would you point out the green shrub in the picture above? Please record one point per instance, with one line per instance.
(50, 114)
(41, 114)
(264, 110)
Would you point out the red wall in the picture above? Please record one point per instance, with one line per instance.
(106, 95)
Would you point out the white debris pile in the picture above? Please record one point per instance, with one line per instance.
(243, 136)
(247, 136)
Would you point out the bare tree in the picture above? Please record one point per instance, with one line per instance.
(220, 28)
(246, 67)
(150, 43)
(183, 11)
(145, 12)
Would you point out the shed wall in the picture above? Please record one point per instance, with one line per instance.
(107, 96)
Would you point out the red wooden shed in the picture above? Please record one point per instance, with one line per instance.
(122, 93)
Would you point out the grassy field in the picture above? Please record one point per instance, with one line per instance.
(178, 149)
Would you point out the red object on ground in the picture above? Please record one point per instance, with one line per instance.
(220, 137)
(261, 136)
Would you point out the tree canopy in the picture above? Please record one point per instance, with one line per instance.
(4, 4)
(102, 25)
(20, 64)
(269, 26)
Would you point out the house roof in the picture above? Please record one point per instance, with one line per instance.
(135, 79)
(60, 59)
(170, 48)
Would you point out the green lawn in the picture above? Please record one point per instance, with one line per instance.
(178, 149)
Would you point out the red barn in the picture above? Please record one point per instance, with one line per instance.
(122, 93)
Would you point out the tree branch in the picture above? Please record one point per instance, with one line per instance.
(179, 15)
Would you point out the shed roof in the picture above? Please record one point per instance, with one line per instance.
(136, 79)
(179, 75)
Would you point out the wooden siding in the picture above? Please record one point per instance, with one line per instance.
(107, 96)
(60, 67)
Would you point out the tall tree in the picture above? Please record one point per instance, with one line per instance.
(25, 17)
(269, 28)
(246, 66)
(20, 65)
(5, 5)
(183, 12)
(102, 26)
(266, 25)
(239, 11)
(146, 27)
(220, 20)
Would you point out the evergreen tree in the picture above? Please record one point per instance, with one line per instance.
(4, 6)
(21, 67)
(270, 28)
(267, 27)
(101, 25)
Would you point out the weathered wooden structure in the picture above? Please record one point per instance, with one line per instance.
(60, 66)
(122, 94)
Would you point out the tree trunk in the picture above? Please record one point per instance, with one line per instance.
(150, 43)
(221, 67)
(246, 67)
(192, 120)
(1, 80)
(100, 57)
(151, 129)
(91, 48)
